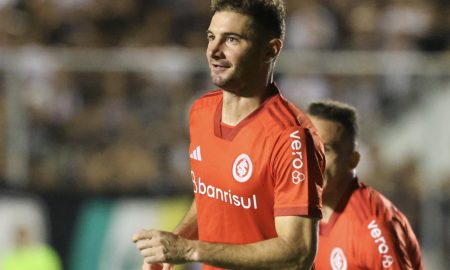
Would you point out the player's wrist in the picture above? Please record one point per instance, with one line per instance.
(192, 251)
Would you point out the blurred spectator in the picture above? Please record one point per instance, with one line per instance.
(23, 223)
(27, 255)
(155, 30)
(362, 24)
(310, 26)
(304, 89)
(403, 21)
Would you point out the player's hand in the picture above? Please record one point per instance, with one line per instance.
(157, 266)
(162, 247)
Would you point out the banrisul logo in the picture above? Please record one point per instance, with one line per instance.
(242, 168)
(224, 195)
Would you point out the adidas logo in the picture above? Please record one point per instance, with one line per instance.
(196, 155)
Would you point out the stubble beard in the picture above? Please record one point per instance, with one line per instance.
(217, 80)
(230, 81)
(222, 80)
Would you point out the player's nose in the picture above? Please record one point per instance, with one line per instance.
(214, 49)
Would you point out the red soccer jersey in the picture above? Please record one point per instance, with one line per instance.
(366, 231)
(269, 165)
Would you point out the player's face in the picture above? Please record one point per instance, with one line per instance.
(235, 57)
(338, 150)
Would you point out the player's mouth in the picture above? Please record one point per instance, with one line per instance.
(219, 66)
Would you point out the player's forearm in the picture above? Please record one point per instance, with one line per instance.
(294, 248)
(188, 228)
(274, 253)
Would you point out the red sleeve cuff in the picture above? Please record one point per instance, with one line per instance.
(311, 211)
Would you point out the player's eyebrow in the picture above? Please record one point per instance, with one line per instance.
(226, 34)
(235, 34)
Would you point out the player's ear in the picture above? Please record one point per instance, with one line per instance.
(273, 49)
(354, 159)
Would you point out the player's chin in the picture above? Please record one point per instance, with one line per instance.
(218, 81)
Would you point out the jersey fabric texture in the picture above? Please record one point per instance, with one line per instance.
(269, 165)
(366, 231)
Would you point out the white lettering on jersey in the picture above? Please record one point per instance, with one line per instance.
(383, 248)
(338, 260)
(296, 145)
(242, 168)
(222, 195)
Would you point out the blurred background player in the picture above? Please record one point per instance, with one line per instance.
(256, 160)
(360, 229)
(28, 254)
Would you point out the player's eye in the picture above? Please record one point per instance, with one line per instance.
(210, 37)
(232, 40)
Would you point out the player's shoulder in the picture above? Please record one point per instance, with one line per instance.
(283, 116)
(285, 122)
(209, 99)
(370, 204)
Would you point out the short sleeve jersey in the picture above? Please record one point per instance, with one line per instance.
(366, 231)
(269, 165)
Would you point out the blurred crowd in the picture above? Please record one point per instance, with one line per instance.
(371, 25)
(126, 131)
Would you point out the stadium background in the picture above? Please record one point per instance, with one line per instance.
(94, 96)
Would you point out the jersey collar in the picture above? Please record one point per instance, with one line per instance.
(235, 130)
(325, 228)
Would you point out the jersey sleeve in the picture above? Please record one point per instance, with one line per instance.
(297, 172)
(389, 244)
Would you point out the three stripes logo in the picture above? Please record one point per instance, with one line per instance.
(196, 154)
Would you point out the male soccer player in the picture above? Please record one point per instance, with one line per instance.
(360, 229)
(256, 160)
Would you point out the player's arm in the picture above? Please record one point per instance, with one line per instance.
(294, 248)
(390, 245)
(188, 228)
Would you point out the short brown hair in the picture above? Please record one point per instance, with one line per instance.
(269, 15)
(339, 112)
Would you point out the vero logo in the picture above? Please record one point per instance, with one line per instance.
(196, 154)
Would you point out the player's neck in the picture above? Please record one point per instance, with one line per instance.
(327, 212)
(236, 107)
(332, 195)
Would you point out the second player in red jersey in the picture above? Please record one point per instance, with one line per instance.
(361, 229)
